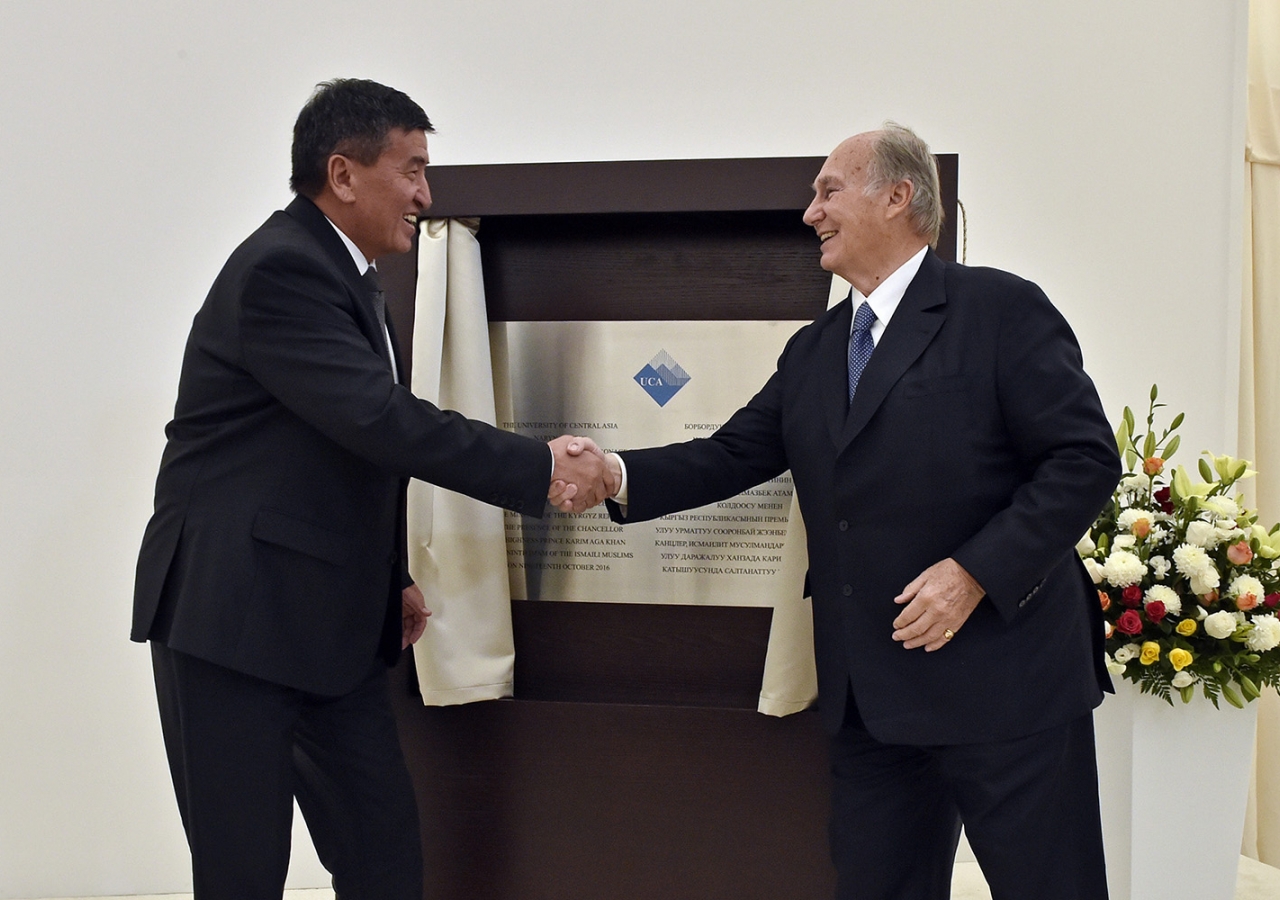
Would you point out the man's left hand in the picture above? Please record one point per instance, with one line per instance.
(413, 615)
(938, 602)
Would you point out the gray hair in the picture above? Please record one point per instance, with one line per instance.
(900, 155)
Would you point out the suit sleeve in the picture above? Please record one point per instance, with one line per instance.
(300, 339)
(1055, 420)
(746, 451)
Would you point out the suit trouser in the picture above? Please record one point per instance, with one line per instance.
(1029, 807)
(241, 749)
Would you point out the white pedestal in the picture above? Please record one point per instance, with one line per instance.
(1174, 783)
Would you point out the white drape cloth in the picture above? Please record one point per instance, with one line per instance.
(457, 547)
(1260, 370)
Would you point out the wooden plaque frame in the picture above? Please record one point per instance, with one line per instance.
(631, 763)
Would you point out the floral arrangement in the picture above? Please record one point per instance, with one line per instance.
(1188, 581)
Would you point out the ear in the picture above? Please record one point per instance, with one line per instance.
(899, 198)
(342, 178)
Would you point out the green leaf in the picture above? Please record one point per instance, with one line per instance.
(1205, 471)
(1250, 689)
(1122, 437)
(1232, 697)
(1172, 447)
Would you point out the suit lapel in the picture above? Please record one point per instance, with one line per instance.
(914, 323)
(833, 366)
(317, 224)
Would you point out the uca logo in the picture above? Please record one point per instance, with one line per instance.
(662, 378)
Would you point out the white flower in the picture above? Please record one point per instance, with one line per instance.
(1205, 581)
(1191, 559)
(1202, 534)
(1265, 634)
(1127, 652)
(1159, 567)
(1124, 541)
(1228, 532)
(1222, 507)
(1201, 613)
(1085, 546)
(1134, 483)
(1127, 518)
(1157, 535)
(1122, 568)
(1221, 624)
(1246, 584)
(1193, 562)
(1166, 595)
(1182, 679)
(1094, 568)
(1115, 668)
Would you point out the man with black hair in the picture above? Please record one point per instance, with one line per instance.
(271, 582)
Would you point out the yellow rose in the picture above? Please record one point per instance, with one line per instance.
(1150, 653)
(1186, 627)
(1179, 658)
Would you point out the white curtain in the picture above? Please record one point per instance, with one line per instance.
(1260, 370)
(457, 547)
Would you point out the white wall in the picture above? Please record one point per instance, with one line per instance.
(1100, 148)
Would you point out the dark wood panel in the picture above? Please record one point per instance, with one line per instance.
(580, 801)
(710, 656)
(652, 266)
(659, 185)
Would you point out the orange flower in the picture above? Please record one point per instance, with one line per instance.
(1140, 528)
(1152, 465)
(1105, 599)
(1240, 553)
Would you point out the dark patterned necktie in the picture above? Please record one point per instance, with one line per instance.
(379, 300)
(860, 345)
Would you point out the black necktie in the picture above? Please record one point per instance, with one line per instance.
(379, 300)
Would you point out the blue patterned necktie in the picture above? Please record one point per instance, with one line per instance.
(860, 345)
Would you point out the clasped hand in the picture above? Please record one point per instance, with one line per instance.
(583, 476)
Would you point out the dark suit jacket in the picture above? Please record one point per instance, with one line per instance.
(273, 548)
(974, 434)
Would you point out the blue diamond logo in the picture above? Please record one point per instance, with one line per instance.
(662, 378)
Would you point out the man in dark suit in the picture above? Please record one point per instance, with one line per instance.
(948, 450)
(272, 582)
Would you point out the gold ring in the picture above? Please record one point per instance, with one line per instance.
(948, 634)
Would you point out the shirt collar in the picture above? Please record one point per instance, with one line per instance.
(888, 294)
(362, 264)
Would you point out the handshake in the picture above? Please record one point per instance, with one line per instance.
(583, 476)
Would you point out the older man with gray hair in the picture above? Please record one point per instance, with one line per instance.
(947, 450)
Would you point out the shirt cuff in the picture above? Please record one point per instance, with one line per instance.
(621, 497)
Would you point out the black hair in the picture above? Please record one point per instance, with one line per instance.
(350, 116)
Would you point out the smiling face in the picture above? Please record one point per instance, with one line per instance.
(862, 233)
(378, 205)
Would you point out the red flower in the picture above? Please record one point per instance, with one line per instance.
(1156, 611)
(1129, 622)
(1164, 500)
(1271, 600)
(1131, 596)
